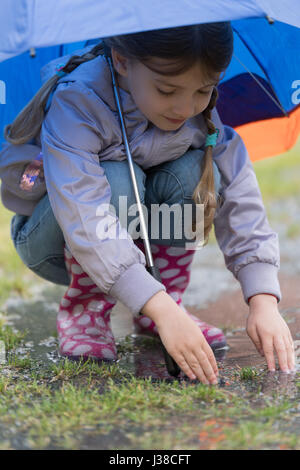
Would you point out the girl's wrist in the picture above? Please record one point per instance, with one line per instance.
(264, 297)
(155, 305)
(160, 307)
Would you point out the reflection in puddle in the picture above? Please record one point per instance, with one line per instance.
(147, 359)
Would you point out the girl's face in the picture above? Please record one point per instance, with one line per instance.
(160, 97)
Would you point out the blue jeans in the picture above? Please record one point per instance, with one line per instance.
(39, 240)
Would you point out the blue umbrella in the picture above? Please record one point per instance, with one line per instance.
(30, 23)
(259, 95)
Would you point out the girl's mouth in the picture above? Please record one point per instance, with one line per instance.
(175, 121)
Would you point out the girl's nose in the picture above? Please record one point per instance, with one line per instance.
(184, 110)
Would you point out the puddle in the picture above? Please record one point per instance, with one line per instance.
(148, 360)
(37, 316)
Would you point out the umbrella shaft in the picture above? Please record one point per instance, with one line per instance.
(131, 168)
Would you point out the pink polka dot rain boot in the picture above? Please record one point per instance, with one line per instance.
(83, 320)
(174, 264)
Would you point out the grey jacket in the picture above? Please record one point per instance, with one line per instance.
(81, 129)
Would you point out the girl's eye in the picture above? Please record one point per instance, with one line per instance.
(172, 92)
(164, 93)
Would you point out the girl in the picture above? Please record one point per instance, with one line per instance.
(184, 155)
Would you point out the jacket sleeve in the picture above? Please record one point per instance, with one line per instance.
(71, 138)
(249, 246)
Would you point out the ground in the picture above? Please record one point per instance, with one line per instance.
(49, 403)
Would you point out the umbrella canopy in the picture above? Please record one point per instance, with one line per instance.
(32, 23)
(259, 96)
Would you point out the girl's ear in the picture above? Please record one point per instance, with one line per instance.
(120, 62)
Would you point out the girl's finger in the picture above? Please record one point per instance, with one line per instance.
(256, 340)
(211, 357)
(281, 352)
(195, 367)
(205, 365)
(290, 338)
(269, 352)
(290, 353)
(182, 363)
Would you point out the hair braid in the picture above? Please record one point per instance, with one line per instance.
(204, 192)
(77, 60)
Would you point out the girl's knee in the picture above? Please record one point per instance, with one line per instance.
(176, 180)
(53, 270)
(40, 247)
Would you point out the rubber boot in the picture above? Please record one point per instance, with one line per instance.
(83, 321)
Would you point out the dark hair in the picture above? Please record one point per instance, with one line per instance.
(209, 44)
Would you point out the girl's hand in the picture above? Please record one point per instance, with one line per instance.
(268, 330)
(182, 338)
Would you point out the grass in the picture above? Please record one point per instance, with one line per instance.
(293, 231)
(67, 369)
(19, 362)
(247, 373)
(44, 411)
(255, 436)
(15, 277)
(10, 337)
(278, 176)
(63, 405)
(60, 405)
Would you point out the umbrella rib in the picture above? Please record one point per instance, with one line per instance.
(261, 85)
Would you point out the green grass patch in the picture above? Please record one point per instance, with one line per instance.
(274, 411)
(15, 277)
(10, 336)
(293, 231)
(279, 176)
(146, 414)
(252, 435)
(67, 369)
(42, 411)
(62, 404)
(18, 362)
(247, 373)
